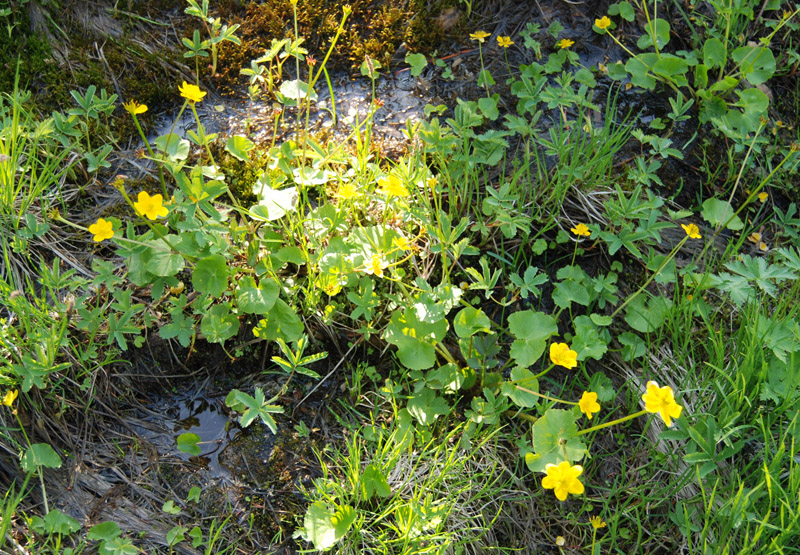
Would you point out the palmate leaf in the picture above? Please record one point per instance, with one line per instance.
(253, 407)
(761, 272)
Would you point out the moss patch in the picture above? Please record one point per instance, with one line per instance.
(376, 29)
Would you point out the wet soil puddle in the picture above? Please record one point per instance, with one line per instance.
(170, 416)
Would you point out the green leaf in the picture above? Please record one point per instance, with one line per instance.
(717, 212)
(252, 298)
(414, 339)
(417, 63)
(373, 481)
(281, 321)
(658, 28)
(601, 384)
(757, 63)
(295, 91)
(647, 316)
(522, 379)
(470, 321)
(56, 522)
(319, 528)
(239, 147)
(40, 455)
(532, 329)
(187, 443)
(273, 204)
(170, 508)
(587, 342)
(585, 77)
(219, 324)
(488, 106)
(105, 531)
(210, 276)
(176, 535)
(555, 439)
(426, 406)
(253, 407)
(714, 53)
(173, 146)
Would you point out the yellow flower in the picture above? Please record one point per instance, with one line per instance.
(563, 479)
(561, 354)
(588, 404)
(505, 42)
(376, 266)
(692, 231)
(150, 207)
(392, 186)
(602, 23)
(134, 107)
(755, 237)
(581, 229)
(762, 246)
(432, 182)
(597, 522)
(347, 191)
(560, 541)
(661, 400)
(565, 43)
(190, 92)
(8, 398)
(401, 242)
(763, 196)
(479, 36)
(102, 229)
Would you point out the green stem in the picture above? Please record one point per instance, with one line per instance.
(151, 153)
(612, 423)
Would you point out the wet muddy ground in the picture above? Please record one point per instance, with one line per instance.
(252, 475)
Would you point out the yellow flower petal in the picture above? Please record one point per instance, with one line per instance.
(133, 107)
(562, 355)
(191, 92)
(505, 42)
(565, 43)
(150, 207)
(581, 230)
(602, 23)
(692, 231)
(479, 36)
(102, 229)
(588, 404)
(9, 397)
(661, 401)
(563, 479)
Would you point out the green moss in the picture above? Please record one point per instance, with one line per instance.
(374, 29)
